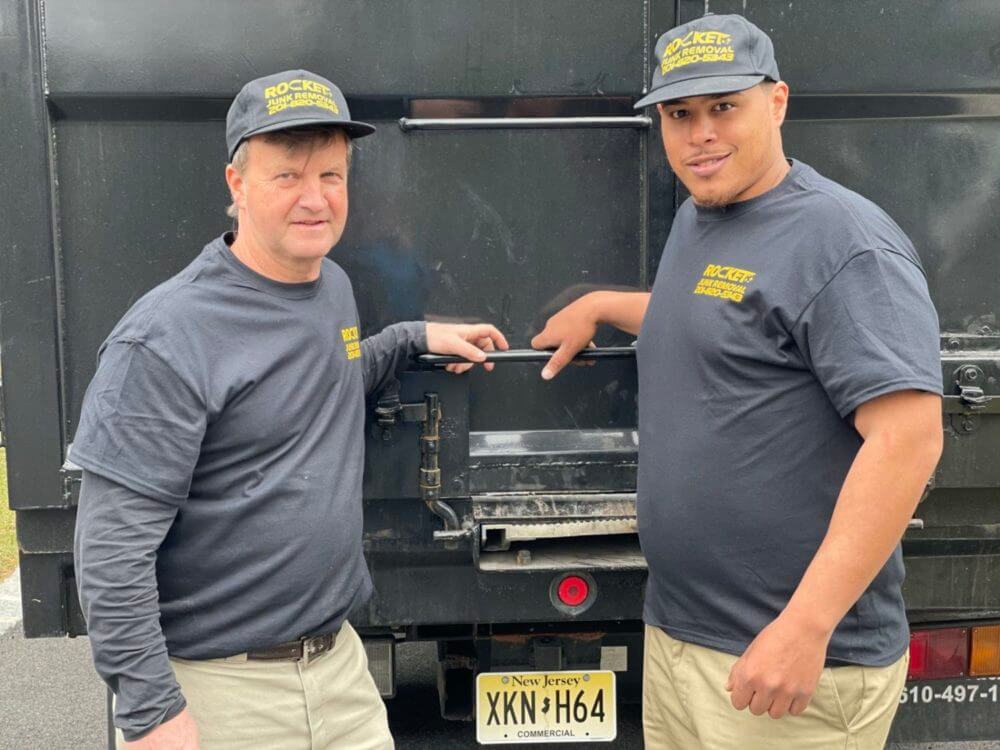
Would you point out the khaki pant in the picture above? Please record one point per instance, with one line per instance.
(330, 704)
(685, 705)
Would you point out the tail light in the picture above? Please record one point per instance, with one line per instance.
(955, 652)
(572, 593)
(938, 653)
(984, 659)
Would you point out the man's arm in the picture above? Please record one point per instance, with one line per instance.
(572, 329)
(385, 354)
(118, 532)
(902, 444)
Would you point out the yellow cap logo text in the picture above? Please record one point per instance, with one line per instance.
(697, 46)
(299, 92)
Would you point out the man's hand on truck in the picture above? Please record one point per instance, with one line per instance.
(471, 341)
(572, 329)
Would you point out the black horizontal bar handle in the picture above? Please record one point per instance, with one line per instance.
(529, 355)
(407, 124)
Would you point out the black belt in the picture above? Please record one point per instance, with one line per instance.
(304, 649)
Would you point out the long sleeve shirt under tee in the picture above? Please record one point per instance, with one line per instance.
(222, 446)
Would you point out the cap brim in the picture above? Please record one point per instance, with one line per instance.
(353, 128)
(698, 87)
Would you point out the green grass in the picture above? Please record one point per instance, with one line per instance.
(8, 542)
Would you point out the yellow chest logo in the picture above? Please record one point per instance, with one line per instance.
(726, 282)
(351, 343)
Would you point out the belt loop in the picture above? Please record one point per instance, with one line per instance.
(306, 652)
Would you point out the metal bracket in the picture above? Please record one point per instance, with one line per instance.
(969, 379)
(390, 409)
(971, 401)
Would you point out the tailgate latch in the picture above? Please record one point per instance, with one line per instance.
(390, 410)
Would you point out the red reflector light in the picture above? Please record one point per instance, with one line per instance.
(573, 591)
(938, 653)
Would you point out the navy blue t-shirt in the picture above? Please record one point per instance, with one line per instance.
(239, 400)
(770, 322)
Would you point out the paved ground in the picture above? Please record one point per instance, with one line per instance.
(10, 602)
(50, 697)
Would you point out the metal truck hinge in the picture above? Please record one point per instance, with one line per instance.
(390, 410)
(971, 402)
(969, 379)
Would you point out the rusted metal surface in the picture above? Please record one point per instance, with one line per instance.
(530, 506)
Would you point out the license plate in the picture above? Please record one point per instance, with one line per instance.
(528, 707)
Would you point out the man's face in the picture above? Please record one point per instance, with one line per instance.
(293, 204)
(725, 148)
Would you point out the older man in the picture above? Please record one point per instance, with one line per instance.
(789, 419)
(218, 545)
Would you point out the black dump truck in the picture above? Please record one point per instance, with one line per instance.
(509, 174)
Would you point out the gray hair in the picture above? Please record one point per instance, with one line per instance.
(293, 139)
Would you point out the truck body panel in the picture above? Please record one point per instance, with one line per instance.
(114, 134)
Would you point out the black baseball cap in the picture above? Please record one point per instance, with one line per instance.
(288, 100)
(712, 55)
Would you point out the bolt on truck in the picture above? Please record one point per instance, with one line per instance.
(509, 174)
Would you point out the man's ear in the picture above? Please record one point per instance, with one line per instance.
(236, 185)
(779, 102)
